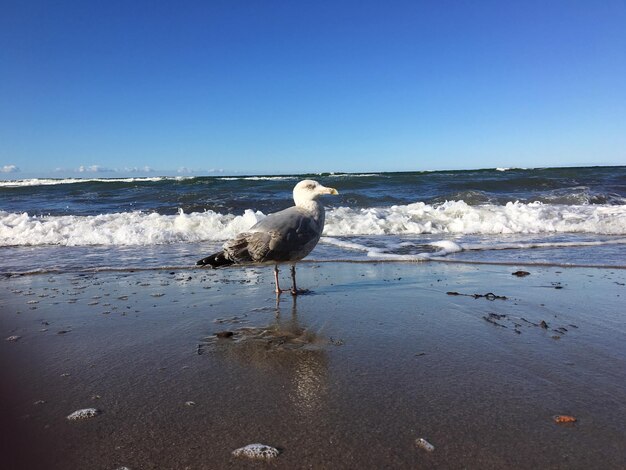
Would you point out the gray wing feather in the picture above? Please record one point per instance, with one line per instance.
(288, 235)
(248, 247)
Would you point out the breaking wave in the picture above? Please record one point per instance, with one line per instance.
(452, 217)
(458, 217)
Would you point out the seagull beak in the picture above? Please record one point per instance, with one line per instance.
(332, 191)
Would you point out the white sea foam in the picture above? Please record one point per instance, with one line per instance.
(127, 228)
(530, 245)
(344, 244)
(455, 217)
(446, 247)
(294, 178)
(349, 175)
(55, 181)
(510, 168)
(259, 178)
(442, 248)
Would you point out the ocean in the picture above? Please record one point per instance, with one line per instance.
(547, 216)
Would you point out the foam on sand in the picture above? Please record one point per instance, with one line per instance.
(83, 414)
(257, 451)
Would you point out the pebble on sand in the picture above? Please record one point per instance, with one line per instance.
(257, 451)
(83, 414)
(13, 338)
(424, 444)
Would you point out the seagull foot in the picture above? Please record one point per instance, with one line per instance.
(295, 292)
(280, 291)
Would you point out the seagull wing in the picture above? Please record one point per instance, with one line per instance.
(284, 236)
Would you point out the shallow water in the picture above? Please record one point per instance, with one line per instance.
(567, 216)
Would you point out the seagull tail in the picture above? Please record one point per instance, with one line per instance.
(216, 260)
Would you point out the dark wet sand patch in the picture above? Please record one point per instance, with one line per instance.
(378, 369)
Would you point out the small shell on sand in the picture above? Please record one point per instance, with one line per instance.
(13, 338)
(83, 414)
(256, 451)
(424, 444)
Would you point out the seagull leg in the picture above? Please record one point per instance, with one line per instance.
(294, 289)
(278, 291)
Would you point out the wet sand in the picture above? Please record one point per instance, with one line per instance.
(379, 355)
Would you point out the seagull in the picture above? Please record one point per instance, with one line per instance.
(282, 237)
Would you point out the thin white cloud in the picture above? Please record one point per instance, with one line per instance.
(93, 169)
(9, 169)
(198, 171)
(135, 169)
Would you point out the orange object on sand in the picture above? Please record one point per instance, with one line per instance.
(564, 419)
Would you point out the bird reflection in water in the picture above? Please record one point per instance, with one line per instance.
(286, 348)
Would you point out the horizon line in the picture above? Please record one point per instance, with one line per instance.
(241, 174)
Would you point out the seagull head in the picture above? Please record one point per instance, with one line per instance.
(309, 190)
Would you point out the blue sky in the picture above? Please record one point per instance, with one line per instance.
(115, 88)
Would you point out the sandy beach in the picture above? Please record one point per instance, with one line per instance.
(349, 376)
